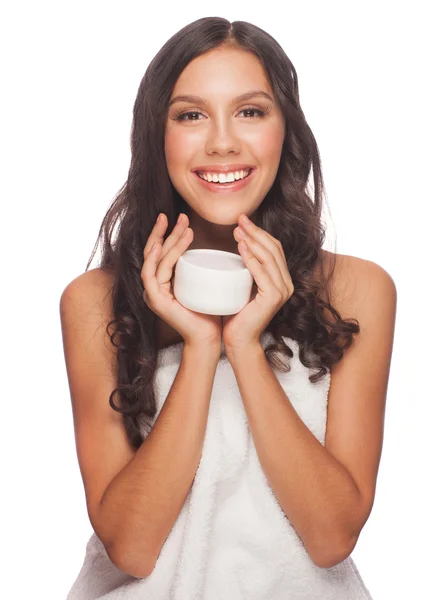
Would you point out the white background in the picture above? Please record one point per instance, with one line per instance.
(70, 73)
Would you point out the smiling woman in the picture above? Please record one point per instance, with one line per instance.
(242, 456)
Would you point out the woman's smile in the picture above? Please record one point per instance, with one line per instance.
(228, 187)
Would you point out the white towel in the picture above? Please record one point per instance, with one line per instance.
(231, 540)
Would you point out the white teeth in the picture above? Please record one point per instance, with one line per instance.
(224, 178)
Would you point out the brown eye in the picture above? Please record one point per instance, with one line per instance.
(180, 116)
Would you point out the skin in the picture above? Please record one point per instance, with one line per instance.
(223, 132)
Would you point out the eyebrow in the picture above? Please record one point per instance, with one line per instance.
(199, 100)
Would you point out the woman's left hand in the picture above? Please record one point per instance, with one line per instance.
(264, 258)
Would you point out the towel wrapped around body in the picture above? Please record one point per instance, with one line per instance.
(231, 540)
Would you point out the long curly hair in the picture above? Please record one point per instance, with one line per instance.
(287, 212)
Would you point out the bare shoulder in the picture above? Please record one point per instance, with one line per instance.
(354, 278)
(93, 281)
(87, 301)
(89, 292)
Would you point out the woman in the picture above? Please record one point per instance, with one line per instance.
(241, 459)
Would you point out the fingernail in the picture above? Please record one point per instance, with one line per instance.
(159, 218)
(180, 218)
(245, 219)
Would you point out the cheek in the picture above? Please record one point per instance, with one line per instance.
(178, 155)
(270, 143)
(173, 147)
(179, 147)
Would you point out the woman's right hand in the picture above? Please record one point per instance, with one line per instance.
(156, 275)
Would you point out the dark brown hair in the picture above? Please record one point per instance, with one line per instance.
(287, 212)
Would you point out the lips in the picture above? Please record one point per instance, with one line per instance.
(225, 188)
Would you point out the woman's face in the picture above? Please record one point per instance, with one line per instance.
(223, 132)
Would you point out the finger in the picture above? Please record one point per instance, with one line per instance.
(274, 246)
(260, 234)
(274, 240)
(149, 269)
(260, 275)
(267, 260)
(169, 259)
(159, 230)
(277, 243)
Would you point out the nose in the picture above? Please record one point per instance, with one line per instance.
(222, 139)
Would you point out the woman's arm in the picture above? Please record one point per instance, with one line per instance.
(327, 491)
(143, 501)
(133, 496)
